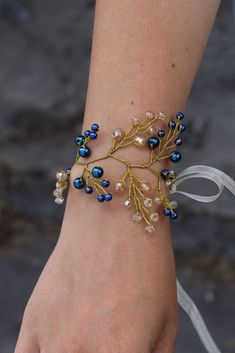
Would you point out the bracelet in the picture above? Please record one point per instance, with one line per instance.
(160, 145)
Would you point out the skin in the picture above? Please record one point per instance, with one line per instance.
(109, 286)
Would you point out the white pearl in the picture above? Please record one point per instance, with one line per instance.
(127, 203)
(144, 186)
(59, 200)
(137, 217)
(154, 217)
(140, 141)
(148, 202)
(61, 175)
(149, 115)
(168, 183)
(135, 121)
(118, 134)
(173, 204)
(150, 228)
(157, 200)
(120, 186)
(57, 192)
(152, 130)
(161, 116)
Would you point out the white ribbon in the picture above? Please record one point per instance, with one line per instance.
(221, 180)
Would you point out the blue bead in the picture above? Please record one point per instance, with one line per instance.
(93, 135)
(179, 116)
(79, 139)
(153, 142)
(167, 211)
(161, 133)
(175, 157)
(178, 142)
(97, 172)
(89, 189)
(105, 183)
(84, 151)
(174, 215)
(164, 173)
(181, 127)
(101, 198)
(79, 183)
(87, 133)
(108, 197)
(95, 127)
(172, 124)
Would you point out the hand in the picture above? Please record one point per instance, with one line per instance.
(107, 287)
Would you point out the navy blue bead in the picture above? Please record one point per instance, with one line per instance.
(175, 157)
(167, 211)
(153, 142)
(172, 124)
(181, 127)
(161, 133)
(79, 183)
(79, 139)
(164, 173)
(178, 142)
(108, 197)
(105, 183)
(93, 135)
(84, 151)
(101, 197)
(89, 189)
(95, 127)
(174, 215)
(87, 133)
(97, 172)
(179, 116)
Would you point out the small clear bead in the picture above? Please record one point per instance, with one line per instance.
(148, 202)
(154, 217)
(150, 228)
(59, 200)
(172, 174)
(127, 203)
(135, 121)
(137, 217)
(149, 115)
(168, 183)
(61, 175)
(173, 204)
(120, 186)
(140, 141)
(57, 193)
(161, 116)
(157, 200)
(152, 130)
(145, 186)
(118, 134)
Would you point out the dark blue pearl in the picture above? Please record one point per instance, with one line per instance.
(105, 183)
(161, 133)
(97, 172)
(101, 198)
(108, 197)
(167, 211)
(178, 142)
(172, 124)
(89, 189)
(179, 116)
(79, 183)
(153, 142)
(164, 173)
(93, 135)
(84, 151)
(95, 127)
(87, 133)
(174, 215)
(181, 127)
(79, 139)
(175, 157)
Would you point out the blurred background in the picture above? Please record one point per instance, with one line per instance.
(45, 48)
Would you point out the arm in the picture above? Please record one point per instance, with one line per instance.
(109, 287)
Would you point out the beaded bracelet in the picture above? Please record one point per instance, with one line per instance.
(160, 145)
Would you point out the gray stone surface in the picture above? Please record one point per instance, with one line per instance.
(43, 79)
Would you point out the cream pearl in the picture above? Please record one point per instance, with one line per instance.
(61, 175)
(145, 186)
(127, 203)
(148, 202)
(154, 217)
(152, 130)
(149, 115)
(161, 116)
(59, 200)
(157, 200)
(137, 217)
(120, 186)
